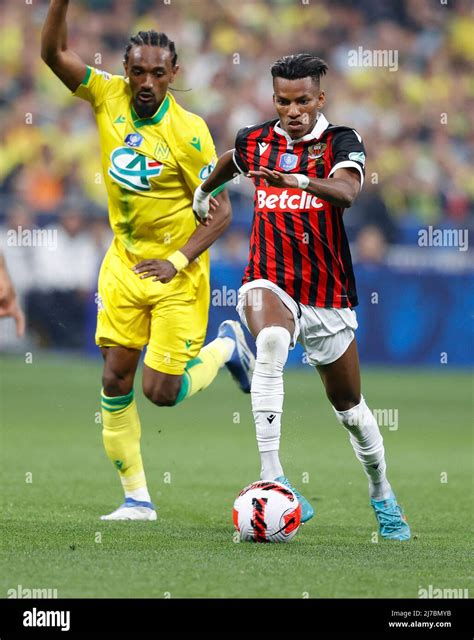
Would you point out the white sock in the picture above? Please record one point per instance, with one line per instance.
(271, 466)
(229, 345)
(267, 396)
(140, 494)
(367, 442)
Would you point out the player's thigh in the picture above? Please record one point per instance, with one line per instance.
(123, 318)
(341, 379)
(177, 332)
(263, 308)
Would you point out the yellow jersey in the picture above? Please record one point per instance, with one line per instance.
(151, 166)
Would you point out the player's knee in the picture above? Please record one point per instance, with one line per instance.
(115, 385)
(343, 402)
(160, 395)
(272, 345)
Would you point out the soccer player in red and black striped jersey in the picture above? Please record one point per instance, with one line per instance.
(299, 283)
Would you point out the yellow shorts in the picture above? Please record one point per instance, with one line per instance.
(170, 318)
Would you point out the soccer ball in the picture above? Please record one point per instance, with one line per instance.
(267, 512)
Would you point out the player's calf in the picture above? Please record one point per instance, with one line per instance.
(161, 388)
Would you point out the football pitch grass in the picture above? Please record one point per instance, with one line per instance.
(56, 482)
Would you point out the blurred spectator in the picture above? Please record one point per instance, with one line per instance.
(66, 269)
(370, 246)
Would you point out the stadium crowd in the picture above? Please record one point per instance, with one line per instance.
(416, 116)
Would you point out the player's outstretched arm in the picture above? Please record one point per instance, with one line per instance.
(201, 239)
(341, 189)
(223, 172)
(66, 64)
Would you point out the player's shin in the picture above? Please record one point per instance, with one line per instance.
(267, 397)
(121, 435)
(201, 371)
(367, 442)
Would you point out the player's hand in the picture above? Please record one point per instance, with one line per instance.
(275, 178)
(161, 270)
(9, 306)
(203, 203)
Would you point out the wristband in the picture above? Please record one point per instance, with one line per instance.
(303, 181)
(201, 195)
(178, 260)
(201, 203)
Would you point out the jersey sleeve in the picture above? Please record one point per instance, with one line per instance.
(240, 151)
(95, 86)
(199, 157)
(348, 152)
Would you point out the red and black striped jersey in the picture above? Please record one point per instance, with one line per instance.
(298, 240)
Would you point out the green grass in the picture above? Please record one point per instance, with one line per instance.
(52, 537)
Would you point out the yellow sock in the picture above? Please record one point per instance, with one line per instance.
(121, 434)
(201, 371)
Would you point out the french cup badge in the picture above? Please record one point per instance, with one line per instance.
(288, 161)
(316, 150)
(134, 140)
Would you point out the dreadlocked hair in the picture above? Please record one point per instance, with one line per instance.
(154, 39)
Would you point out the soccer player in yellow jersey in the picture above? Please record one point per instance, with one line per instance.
(154, 280)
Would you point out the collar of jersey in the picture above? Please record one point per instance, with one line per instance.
(319, 128)
(156, 118)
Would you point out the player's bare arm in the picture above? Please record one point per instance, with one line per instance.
(340, 190)
(164, 270)
(64, 62)
(224, 171)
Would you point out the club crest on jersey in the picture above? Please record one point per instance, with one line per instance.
(133, 140)
(133, 170)
(288, 161)
(316, 150)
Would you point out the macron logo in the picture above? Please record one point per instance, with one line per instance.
(286, 200)
(263, 146)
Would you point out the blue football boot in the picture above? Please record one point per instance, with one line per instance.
(307, 511)
(242, 361)
(391, 519)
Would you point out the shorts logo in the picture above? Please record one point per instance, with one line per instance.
(288, 161)
(316, 150)
(133, 170)
(133, 140)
